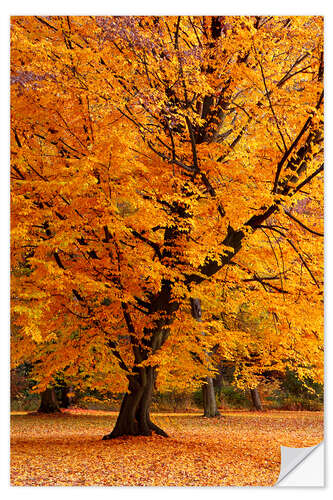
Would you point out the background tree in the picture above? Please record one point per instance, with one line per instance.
(256, 400)
(49, 402)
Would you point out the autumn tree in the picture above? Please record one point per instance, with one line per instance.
(161, 160)
(256, 400)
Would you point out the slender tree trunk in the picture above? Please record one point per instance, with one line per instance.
(208, 393)
(218, 381)
(134, 415)
(49, 403)
(256, 399)
(209, 399)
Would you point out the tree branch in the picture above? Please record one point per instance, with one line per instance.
(302, 224)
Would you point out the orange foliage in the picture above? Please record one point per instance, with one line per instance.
(159, 159)
(240, 449)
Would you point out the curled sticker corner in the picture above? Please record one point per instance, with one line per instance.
(291, 458)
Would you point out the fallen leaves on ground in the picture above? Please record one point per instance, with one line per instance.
(238, 449)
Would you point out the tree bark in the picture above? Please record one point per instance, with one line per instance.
(65, 400)
(209, 399)
(208, 393)
(218, 380)
(134, 415)
(49, 403)
(256, 399)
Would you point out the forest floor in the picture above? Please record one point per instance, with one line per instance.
(239, 449)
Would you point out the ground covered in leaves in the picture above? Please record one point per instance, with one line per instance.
(238, 449)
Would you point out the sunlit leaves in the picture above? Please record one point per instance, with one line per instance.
(139, 145)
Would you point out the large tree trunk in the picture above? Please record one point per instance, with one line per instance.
(256, 399)
(134, 414)
(208, 393)
(49, 403)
